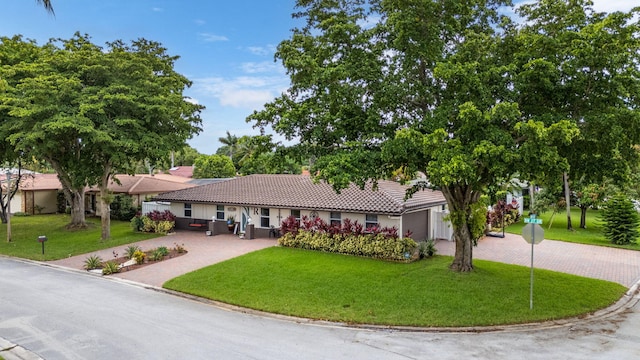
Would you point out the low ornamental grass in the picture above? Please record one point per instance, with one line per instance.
(61, 242)
(592, 235)
(351, 289)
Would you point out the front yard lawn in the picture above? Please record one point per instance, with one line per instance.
(592, 235)
(425, 293)
(61, 242)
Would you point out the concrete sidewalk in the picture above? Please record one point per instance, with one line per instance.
(599, 262)
(202, 251)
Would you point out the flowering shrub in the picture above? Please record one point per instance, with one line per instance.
(510, 211)
(139, 256)
(156, 221)
(349, 238)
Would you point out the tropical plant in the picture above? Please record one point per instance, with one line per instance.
(620, 220)
(130, 250)
(93, 262)
(110, 267)
(139, 257)
(427, 248)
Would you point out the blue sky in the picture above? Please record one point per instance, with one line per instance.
(225, 47)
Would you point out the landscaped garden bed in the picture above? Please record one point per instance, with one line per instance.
(133, 258)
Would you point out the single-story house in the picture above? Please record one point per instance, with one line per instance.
(38, 193)
(266, 200)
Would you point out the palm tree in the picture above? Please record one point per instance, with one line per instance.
(231, 141)
(47, 5)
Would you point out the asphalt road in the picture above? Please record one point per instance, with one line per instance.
(62, 314)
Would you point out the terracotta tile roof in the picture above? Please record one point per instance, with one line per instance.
(299, 192)
(40, 182)
(184, 171)
(146, 184)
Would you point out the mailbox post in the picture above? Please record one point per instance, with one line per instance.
(41, 240)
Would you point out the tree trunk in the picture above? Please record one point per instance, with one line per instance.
(583, 217)
(567, 199)
(76, 199)
(75, 196)
(105, 209)
(460, 198)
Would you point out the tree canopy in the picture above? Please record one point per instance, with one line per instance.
(457, 90)
(213, 166)
(91, 111)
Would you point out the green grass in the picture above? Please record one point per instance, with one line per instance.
(61, 242)
(425, 293)
(592, 235)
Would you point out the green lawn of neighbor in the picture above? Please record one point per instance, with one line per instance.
(350, 289)
(61, 242)
(592, 235)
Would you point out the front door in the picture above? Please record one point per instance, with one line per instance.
(244, 219)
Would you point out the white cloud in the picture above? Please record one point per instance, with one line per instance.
(212, 37)
(248, 92)
(157, 9)
(191, 100)
(199, 22)
(262, 50)
(261, 67)
(614, 5)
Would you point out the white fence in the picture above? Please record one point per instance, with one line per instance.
(149, 206)
(442, 228)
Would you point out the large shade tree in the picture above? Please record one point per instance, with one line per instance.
(582, 65)
(92, 112)
(382, 85)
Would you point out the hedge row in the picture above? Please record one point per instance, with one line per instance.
(375, 246)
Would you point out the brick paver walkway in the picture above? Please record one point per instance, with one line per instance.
(202, 251)
(617, 265)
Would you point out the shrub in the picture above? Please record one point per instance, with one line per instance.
(139, 256)
(122, 207)
(620, 220)
(163, 250)
(110, 267)
(427, 249)
(130, 250)
(164, 226)
(136, 223)
(502, 209)
(157, 255)
(160, 222)
(379, 245)
(93, 262)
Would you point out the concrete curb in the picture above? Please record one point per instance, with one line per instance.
(10, 351)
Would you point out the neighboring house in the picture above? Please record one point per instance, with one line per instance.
(39, 192)
(139, 187)
(182, 171)
(266, 200)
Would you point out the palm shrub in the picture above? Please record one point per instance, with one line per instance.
(93, 262)
(620, 220)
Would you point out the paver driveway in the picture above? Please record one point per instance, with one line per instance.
(617, 265)
(202, 251)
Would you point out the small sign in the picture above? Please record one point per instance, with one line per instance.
(533, 233)
(532, 221)
(42, 238)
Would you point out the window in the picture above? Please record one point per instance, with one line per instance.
(187, 210)
(370, 221)
(220, 212)
(335, 218)
(264, 218)
(296, 214)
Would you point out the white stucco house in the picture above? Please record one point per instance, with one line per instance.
(266, 200)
